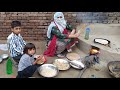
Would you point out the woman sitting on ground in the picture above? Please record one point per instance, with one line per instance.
(60, 36)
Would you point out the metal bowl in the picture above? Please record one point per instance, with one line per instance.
(48, 70)
(77, 64)
(1, 60)
(4, 56)
(61, 64)
(114, 68)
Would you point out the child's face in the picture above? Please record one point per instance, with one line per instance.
(31, 51)
(16, 30)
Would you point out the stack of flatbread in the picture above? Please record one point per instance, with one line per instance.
(73, 56)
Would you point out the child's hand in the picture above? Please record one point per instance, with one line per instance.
(38, 59)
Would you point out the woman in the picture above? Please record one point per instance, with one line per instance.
(60, 36)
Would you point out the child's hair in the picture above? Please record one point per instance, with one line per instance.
(15, 24)
(29, 46)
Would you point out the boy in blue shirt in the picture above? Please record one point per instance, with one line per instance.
(15, 41)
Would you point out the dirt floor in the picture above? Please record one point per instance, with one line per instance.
(98, 71)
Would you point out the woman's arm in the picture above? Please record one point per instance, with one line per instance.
(56, 32)
(69, 27)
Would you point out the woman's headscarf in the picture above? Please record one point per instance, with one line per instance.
(59, 21)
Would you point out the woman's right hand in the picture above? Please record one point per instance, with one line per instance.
(74, 35)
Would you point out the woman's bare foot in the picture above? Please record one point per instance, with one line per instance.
(69, 50)
(60, 55)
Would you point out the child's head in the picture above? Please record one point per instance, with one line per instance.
(16, 27)
(29, 49)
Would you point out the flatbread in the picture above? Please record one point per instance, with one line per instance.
(41, 61)
(101, 41)
(73, 56)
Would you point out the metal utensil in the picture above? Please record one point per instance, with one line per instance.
(77, 63)
(1, 59)
(46, 69)
(4, 56)
(61, 64)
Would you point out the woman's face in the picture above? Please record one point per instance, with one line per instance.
(59, 18)
(31, 51)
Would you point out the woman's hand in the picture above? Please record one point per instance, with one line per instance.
(73, 32)
(77, 34)
(74, 35)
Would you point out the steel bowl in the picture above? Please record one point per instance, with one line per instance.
(48, 70)
(77, 64)
(4, 56)
(1, 60)
(114, 68)
(61, 64)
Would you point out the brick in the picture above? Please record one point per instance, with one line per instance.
(118, 18)
(41, 15)
(94, 21)
(44, 18)
(115, 21)
(105, 21)
(111, 18)
(110, 21)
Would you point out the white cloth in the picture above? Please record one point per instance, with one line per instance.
(60, 22)
(3, 47)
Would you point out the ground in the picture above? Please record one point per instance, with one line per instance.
(99, 71)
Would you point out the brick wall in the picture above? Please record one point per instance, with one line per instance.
(35, 24)
(98, 17)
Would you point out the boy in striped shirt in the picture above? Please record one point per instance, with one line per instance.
(15, 41)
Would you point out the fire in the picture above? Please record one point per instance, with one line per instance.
(94, 51)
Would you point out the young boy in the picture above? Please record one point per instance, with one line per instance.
(15, 41)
